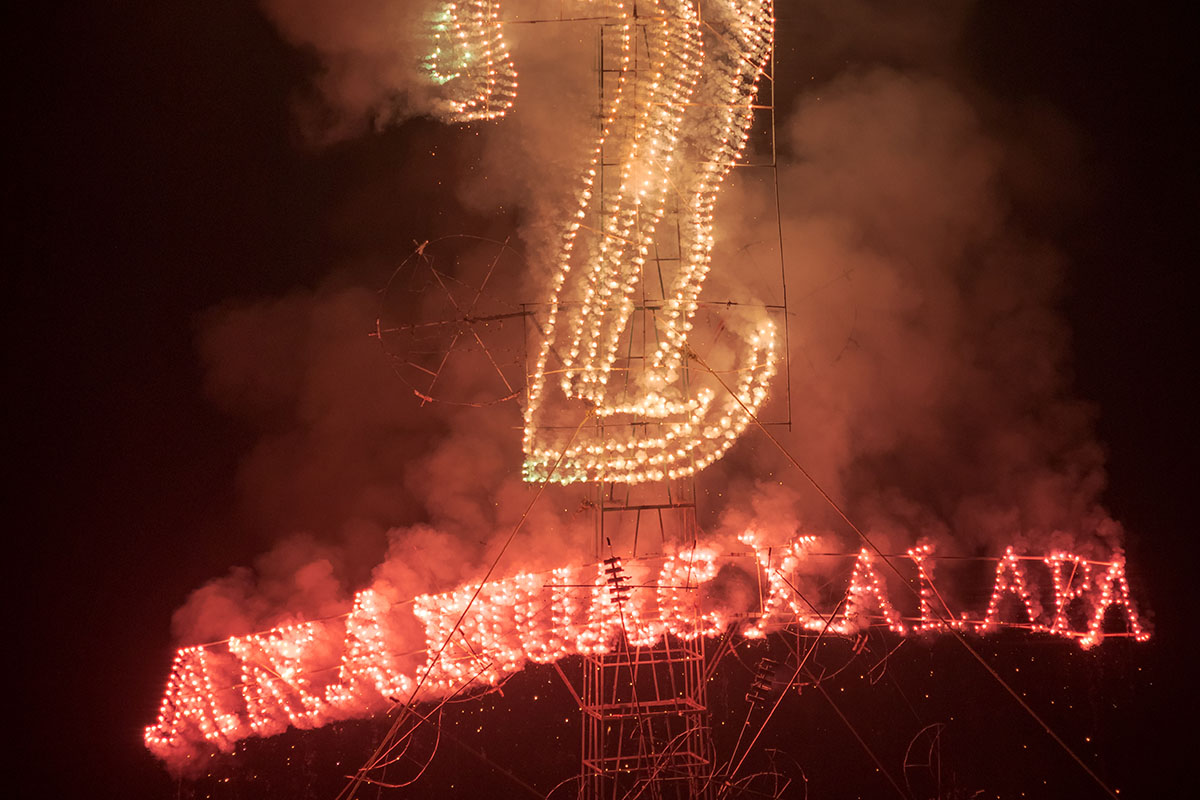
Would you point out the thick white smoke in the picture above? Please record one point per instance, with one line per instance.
(368, 55)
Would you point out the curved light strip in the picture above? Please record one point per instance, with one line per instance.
(655, 426)
(470, 58)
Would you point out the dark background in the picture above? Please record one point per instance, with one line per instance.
(158, 172)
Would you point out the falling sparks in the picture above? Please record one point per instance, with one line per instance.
(308, 674)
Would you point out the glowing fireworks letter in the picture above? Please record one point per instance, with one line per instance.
(1010, 579)
(782, 605)
(638, 612)
(919, 555)
(460, 660)
(566, 616)
(603, 617)
(1066, 588)
(865, 587)
(657, 424)
(1113, 589)
(491, 629)
(274, 686)
(681, 575)
(198, 706)
(369, 672)
(536, 611)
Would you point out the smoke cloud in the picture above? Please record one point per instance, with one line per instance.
(929, 365)
(368, 56)
(359, 483)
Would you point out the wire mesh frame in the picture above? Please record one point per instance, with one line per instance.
(413, 338)
(645, 722)
(645, 709)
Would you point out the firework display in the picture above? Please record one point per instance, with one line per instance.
(616, 395)
(696, 96)
(471, 59)
(311, 673)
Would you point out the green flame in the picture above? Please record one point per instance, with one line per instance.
(451, 56)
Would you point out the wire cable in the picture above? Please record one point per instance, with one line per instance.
(878, 764)
(867, 541)
(360, 776)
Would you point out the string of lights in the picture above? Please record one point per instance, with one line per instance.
(470, 60)
(682, 86)
(655, 425)
(308, 674)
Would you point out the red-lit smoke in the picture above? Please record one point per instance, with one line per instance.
(930, 382)
(385, 651)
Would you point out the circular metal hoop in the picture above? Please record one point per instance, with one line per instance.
(442, 323)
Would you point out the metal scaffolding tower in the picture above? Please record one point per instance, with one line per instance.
(646, 726)
(645, 709)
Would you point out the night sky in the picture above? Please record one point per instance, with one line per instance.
(160, 173)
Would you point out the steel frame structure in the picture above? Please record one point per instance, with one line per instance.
(645, 721)
(644, 709)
